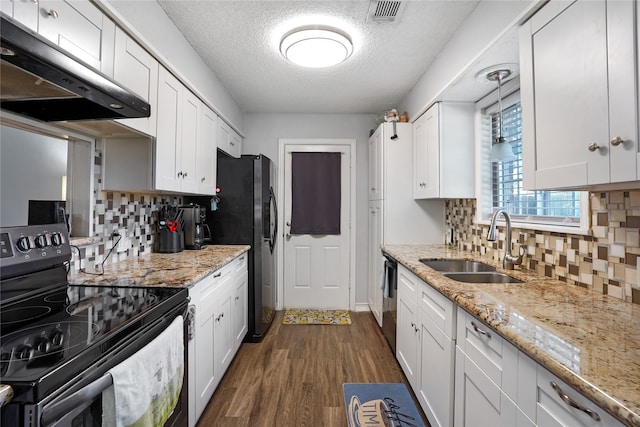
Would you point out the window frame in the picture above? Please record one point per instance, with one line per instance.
(484, 209)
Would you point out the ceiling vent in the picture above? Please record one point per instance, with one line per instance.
(384, 11)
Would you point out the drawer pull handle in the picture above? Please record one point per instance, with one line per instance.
(242, 258)
(569, 401)
(217, 274)
(53, 13)
(480, 331)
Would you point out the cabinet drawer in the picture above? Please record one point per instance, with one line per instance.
(408, 285)
(497, 358)
(438, 308)
(551, 410)
(240, 264)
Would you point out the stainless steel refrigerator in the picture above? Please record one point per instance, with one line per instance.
(247, 214)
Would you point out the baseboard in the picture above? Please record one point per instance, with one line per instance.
(362, 306)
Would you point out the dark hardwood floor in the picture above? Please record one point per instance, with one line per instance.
(294, 377)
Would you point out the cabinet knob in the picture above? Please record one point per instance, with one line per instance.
(34, 1)
(593, 147)
(53, 13)
(617, 141)
(184, 175)
(373, 189)
(179, 174)
(202, 179)
(237, 298)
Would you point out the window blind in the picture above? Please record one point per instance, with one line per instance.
(506, 180)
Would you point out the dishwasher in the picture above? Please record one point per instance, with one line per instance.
(390, 301)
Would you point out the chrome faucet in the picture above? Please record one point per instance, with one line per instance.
(509, 261)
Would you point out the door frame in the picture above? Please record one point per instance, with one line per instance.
(282, 143)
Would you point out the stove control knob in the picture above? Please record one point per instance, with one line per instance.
(23, 244)
(24, 352)
(43, 344)
(56, 239)
(41, 241)
(57, 337)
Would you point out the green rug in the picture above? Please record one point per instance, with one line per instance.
(316, 317)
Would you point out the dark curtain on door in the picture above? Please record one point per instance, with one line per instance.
(315, 193)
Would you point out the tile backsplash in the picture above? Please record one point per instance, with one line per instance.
(129, 214)
(604, 261)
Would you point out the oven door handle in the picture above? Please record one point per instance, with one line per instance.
(53, 412)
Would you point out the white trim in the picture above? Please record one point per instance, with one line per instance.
(282, 143)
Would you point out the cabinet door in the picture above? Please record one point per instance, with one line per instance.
(169, 131)
(191, 107)
(206, 378)
(408, 331)
(426, 144)
(240, 303)
(376, 142)
(23, 11)
(478, 400)
(224, 336)
(137, 70)
(376, 266)
(563, 54)
(206, 152)
(435, 383)
(81, 29)
(228, 140)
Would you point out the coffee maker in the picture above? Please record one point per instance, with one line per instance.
(194, 217)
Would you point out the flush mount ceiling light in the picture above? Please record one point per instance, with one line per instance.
(316, 46)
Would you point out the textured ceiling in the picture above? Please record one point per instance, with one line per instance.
(239, 40)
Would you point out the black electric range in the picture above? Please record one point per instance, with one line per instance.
(56, 337)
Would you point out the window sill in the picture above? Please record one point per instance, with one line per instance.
(541, 227)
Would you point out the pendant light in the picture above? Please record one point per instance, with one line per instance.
(316, 46)
(501, 151)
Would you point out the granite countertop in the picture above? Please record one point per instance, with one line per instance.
(589, 340)
(179, 270)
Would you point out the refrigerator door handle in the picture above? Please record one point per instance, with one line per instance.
(274, 234)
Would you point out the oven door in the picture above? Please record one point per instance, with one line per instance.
(88, 401)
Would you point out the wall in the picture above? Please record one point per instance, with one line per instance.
(264, 130)
(604, 262)
(157, 31)
(489, 21)
(129, 214)
(46, 160)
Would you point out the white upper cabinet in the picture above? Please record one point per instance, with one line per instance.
(175, 151)
(228, 140)
(23, 11)
(443, 144)
(137, 69)
(578, 90)
(81, 29)
(206, 152)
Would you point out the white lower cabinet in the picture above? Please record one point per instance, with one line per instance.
(465, 374)
(215, 339)
(408, 332)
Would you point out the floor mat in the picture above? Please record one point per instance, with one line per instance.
(380, 405)
(316, 317)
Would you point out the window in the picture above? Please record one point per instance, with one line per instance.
(502, 181)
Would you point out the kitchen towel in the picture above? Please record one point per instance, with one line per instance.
(315, 193)
(147, 385)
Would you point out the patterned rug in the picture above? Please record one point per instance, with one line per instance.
(316, 317)
(380, 405)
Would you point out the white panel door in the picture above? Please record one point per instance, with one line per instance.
(317, 267)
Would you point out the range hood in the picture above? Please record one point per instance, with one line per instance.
(40, 81)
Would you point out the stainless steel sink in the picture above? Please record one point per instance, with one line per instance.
(456, 265)
(481, 277)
